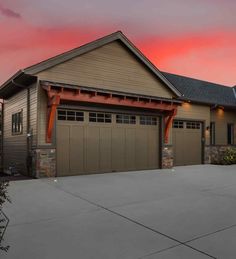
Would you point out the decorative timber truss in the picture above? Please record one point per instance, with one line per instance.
(58, 93)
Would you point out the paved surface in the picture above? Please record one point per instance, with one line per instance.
(186, 213)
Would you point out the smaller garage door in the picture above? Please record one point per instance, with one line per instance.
(187, 142)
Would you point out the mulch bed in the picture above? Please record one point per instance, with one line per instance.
(5, 177)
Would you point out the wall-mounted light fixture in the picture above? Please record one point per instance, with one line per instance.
(207, 128)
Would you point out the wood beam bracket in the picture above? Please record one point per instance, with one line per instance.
(53, 103)
(168, 123)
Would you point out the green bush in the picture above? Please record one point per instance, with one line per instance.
(229, 156)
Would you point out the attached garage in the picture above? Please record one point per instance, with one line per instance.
(187, 142)
(99, 142)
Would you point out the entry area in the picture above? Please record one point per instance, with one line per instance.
(187, 144)
(99, 142)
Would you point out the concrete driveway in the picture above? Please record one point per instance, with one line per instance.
(188, 212)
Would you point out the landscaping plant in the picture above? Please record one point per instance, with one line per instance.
(3, 219)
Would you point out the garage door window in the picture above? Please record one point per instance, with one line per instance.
(70, 115)
(126, 119)
(148, 120)
(193, 125)
(178, 124)
(100, 117)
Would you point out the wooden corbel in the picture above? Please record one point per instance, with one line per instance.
(168, 122)
(53, 103)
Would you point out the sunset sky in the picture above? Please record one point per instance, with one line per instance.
(196, 38)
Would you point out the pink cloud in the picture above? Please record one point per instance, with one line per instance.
(209, 56)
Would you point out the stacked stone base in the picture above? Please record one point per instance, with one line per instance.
(44, 163)
(214, 154)
(167, 157)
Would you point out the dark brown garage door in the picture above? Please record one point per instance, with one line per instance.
(187, 143)
(98, 142)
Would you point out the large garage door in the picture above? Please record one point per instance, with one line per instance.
(187, 143)
(98, 142)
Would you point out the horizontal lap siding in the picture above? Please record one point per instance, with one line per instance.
(112, 67)
(15, 146)
(221, 119)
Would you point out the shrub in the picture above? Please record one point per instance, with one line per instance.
(229, 156)
(3, 219)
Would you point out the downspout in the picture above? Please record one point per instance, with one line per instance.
(29, 156)
(2, 130)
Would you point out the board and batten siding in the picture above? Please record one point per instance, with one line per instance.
(15, 146)
(112, 67)
(189, 111)
(221, 119)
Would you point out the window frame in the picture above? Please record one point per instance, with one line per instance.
(17, 123)
(230, 137)
(212, 133)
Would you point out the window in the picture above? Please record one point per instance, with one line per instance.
(230, 134)
(16, 123)
(178, 124)
(212, 133)
(148, 120)
(100, 117)
(70, 115)
(193, 125)
(126, 119)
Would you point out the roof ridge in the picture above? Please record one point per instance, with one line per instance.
(73, 49)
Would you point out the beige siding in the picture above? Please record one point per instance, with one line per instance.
(112, 67)
(15, 146)
(221, 119)
(191, 111)
(42, 117)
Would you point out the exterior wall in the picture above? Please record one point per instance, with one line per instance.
(15, 146)
(111, 66)
(221, 119)
(42, 118)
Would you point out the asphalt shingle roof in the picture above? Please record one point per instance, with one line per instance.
(202, 91)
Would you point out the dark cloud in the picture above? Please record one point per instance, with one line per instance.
(9, 13)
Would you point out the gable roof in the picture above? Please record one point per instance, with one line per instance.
(32, 70)
(202, 91)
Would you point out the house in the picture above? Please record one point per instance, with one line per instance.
(104, 107)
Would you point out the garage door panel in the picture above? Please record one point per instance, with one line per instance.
(141, 148)
(193, 146)
(178, 147)
(130, 144)
(105, 149)
(187, 143)
(118, 149)
(92, 151)
(63, 152)
(153, 158)
(76, 148)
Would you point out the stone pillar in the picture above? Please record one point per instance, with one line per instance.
(207, 155)
(167, 157)
(44, 162)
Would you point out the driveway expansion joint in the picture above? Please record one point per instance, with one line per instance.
(134, 221)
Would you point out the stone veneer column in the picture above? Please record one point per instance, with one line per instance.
(44, 162)
(167, 156)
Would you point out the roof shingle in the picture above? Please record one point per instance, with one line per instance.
(202, 91)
